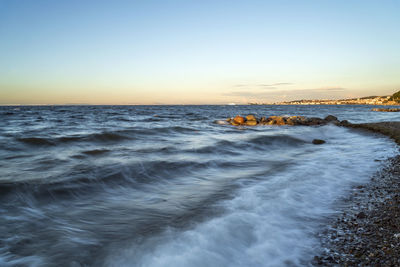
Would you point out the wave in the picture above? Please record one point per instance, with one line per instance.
(97, 137)
(236, 147)
(277, 140)
(95, 152)
(176, 129)
(222, 147)
(115, 136)
(87, 179)
(124, 119)
(7, 113)
(36, 141)
(151, 119)
(108, 136)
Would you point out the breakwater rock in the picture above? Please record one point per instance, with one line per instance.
(251, 120)
(386, 109)
(318, 142)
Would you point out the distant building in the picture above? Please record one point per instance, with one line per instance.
(371, 100)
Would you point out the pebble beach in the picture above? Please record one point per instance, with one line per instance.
(367, 231)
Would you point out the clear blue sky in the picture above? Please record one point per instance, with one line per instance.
(194, 52)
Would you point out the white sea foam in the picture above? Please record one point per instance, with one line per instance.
(271, 222)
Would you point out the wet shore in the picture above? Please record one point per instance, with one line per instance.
(391, 128)
(367, 231)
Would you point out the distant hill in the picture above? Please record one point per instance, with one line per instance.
(395, 97)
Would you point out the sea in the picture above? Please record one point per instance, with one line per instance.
(175, 186)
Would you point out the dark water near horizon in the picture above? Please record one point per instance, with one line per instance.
(167, 186)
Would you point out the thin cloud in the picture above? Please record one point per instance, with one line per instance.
(332, 89)
(244, 93)
(262, 85)
(274, 84)
(314, 92)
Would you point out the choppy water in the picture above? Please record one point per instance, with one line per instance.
(166, 186)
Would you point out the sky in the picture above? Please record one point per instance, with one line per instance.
(197, 52)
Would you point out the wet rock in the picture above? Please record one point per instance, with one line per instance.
(315, 121)
(318, 142)
(295, 120)
(263, 120)
(386, 109)
(223, 122)
(251, 118)
(276, 120)
(361, 215)
(344, 123)
(238, 119)
(291, 121)
(331, 118)
(251, 122)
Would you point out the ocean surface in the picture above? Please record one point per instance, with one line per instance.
(167, 186)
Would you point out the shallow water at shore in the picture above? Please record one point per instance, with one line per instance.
(165, 186)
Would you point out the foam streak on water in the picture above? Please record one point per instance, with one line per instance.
(165, 186)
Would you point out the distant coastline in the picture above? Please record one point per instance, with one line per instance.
(389, 100)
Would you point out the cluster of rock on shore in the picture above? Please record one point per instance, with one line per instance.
(251, 120)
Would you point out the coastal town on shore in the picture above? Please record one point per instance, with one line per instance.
(369, 100)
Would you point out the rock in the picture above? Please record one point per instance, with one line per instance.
(344, 123)
(386, 109)
(238, 120)
(318, 142)
(331, 118)
(251, 122)
(295, 120)
(263, 120)
(291, 120)
(315, 121)
(251, 118)
(361, 215)
(221, 122)
(276, 120)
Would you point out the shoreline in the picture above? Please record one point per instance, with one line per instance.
(388, 128)
(366, 231)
